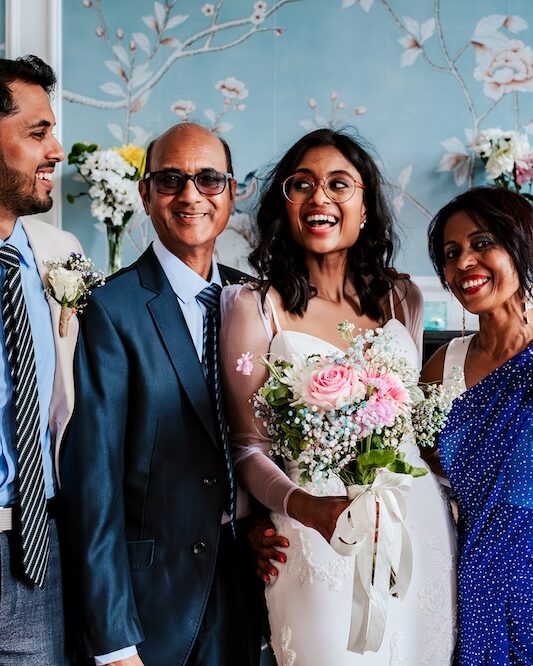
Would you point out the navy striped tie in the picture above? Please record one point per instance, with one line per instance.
(19, 346)
(210, 299)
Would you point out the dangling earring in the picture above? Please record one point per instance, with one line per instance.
(527, 306)
(463, 327)
(362, 225)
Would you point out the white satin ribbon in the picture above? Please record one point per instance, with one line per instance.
(356, 534)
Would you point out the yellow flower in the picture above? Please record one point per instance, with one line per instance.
(134, 155)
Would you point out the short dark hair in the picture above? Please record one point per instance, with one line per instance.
(28, 68)
(227, 152)
(506, 214)
(279, 261)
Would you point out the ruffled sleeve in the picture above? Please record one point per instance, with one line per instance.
(245, 329)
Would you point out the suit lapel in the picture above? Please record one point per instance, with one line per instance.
(169, 321)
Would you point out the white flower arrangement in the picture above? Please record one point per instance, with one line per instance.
(112, 177)
(508, 158)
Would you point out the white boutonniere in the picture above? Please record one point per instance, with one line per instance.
(70, 281)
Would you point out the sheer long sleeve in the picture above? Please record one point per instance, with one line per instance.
(412, 304)
(246, 328)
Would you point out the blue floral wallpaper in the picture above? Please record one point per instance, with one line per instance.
(418, 80)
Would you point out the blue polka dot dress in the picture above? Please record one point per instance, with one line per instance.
(486, 449)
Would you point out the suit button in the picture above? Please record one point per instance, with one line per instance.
(198, 547)
(209, 481)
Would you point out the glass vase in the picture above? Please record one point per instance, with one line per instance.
(115, 239)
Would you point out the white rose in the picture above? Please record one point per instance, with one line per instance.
(65, 284)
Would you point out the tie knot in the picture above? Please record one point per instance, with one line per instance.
(210, 297)
(9, 256)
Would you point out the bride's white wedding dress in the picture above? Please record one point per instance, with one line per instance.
(309, 602)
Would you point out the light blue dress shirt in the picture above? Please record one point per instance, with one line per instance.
(45, 361)
(187, 284)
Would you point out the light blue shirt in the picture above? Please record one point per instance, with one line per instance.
(45, 361)
(186, 284)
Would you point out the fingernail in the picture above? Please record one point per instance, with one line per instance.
(269, 532)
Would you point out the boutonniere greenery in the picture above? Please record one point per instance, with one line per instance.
(70, 282)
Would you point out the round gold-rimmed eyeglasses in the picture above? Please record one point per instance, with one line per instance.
(339, 187)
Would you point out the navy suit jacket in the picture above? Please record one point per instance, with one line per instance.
(142, 473)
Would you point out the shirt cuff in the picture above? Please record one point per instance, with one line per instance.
(124, 653)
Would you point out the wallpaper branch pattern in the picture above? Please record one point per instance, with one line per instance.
(504, 65)
(418, 79)
(137, 79)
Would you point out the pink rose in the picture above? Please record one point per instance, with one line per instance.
(524, 171)
(333, 386)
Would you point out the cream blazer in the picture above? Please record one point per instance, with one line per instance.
(48, 242)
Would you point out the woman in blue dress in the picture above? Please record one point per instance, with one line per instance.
(481, 245)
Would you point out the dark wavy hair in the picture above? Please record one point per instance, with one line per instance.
(29, 69)
(506, 214)
(280, 262)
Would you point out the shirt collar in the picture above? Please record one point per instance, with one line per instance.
(185, 282)
(19, 240)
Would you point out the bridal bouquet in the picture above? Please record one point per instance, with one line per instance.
(508, 159)
(343, 413)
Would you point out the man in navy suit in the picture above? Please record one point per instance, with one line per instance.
(162, 580)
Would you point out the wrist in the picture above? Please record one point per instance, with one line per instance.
(296, 505)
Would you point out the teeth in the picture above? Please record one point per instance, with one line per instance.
(468, 284)
(191, 215)
(41, 175)
(320, 218)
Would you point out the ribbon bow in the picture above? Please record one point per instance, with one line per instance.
(376, 552)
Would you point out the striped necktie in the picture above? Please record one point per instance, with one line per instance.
(19, 347)
(210, 299)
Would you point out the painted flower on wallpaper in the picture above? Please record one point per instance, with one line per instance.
(487, 31)
(259, 14)
(458, 159)
(183, 108)
(232, 88)
(510, 69)
(336, 113)
(208, 9)
(412, 42)
(364, 4)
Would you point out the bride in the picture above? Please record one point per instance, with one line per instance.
(326, 241)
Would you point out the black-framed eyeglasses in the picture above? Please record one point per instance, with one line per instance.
(171, 181)
(339, 187)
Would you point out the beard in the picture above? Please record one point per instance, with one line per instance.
(18, 192)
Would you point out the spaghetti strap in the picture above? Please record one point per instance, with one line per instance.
(391, 303)
(274, 314)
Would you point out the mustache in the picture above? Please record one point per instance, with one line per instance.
(46, 165)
